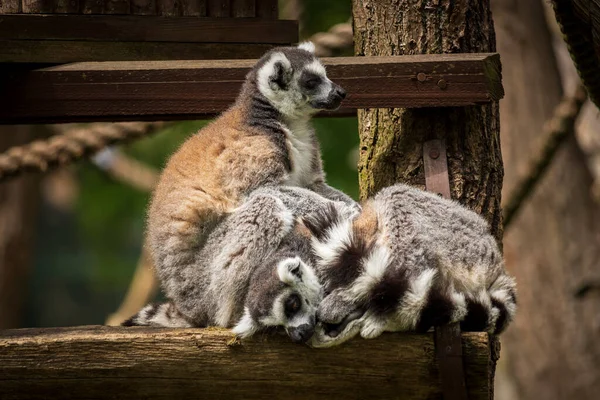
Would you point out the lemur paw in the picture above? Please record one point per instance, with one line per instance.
(372, 328)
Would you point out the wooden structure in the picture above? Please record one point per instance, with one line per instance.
(117, 75)
(580, 23)
(111, 362)
(60, 31)
(168, 90)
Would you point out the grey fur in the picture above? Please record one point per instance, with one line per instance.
(432, 261)
(234, 280)
(264, 140)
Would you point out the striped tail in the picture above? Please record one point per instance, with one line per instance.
(159, 314)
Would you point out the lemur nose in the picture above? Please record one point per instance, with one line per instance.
(302, 333)
(340, 92)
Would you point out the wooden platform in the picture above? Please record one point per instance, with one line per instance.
(55, 38)
(168, 90)
(104, 362)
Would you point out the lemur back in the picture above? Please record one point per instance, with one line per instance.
(264, 139)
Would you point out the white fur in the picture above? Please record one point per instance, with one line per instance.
(316, 67)
(321, 340)
(299, 141)
(283, 270)
(374, 267)
(175, 321)
(500, 292)
(373, 327)
(460, 306)
(415, 300)
(339, 237)
(308, 46)
(265, 72)
(246, 326)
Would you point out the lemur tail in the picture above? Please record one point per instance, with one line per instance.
(493, 309)
(157, 314)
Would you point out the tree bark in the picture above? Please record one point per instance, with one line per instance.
(552, 246)
(391, 139)
(18, 206)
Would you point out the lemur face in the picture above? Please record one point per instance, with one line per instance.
(295, 82)
(288, 298)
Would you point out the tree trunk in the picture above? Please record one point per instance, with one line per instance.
(391, 140)
(18, 206)
(553, 244)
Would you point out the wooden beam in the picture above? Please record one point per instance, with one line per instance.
(196, 89)
(135, 28)
(60, 51)
(108, 362)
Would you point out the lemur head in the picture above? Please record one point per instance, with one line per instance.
(295, 82)
(284, 292)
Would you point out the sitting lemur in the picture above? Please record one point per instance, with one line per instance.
(244, 232)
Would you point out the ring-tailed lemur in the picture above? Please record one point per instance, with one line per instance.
(411, 260)
(254, 271)
(264, 139)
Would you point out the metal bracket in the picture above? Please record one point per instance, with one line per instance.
(448, 342)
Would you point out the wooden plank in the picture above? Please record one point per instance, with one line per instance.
(37, 6)
(195, 8)
(143, 7)
(109, 362)
(36, 51)
(91, 6)
(267, 9)
(243, 8)
(193, 89)
(148, 28)
(65, 7)
(116, 7)
(218, 8)
(10, 6)
(435, 163)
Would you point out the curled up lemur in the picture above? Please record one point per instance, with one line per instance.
(264, 140)
(409, 261)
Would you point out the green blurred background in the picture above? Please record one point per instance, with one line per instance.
(86, 254)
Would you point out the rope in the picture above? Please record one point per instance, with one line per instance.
(337, 39)
(557, 129)
(73, 144)
(126, 169)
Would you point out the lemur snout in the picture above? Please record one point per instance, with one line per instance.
(340, 92)
(301, 334)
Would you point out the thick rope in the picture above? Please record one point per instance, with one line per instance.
(557, 130)
(126, 169)
(337, 39)
(73, 144)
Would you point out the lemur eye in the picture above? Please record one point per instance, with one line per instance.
(292, 305)
(312, 82)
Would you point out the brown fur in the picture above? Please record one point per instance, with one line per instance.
(209, 175)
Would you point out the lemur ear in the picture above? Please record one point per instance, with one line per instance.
(290, 271)
(308, 46)
(246, 326)
(281, 72)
